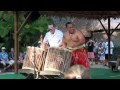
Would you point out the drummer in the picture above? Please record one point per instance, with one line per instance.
(53, 37)
(74, 40)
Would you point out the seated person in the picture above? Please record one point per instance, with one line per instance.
(4, 58)
(11, 54)
(21, 58)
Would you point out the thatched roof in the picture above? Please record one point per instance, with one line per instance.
(86, 14)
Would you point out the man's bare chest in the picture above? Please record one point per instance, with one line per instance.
(72, 38)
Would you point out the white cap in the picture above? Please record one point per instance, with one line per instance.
(3, 48)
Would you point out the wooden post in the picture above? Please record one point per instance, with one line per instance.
(108, 38)
(16, 40)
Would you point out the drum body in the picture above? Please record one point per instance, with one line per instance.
(57, 59)
(34, 58)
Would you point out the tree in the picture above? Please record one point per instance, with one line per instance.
(28, 35)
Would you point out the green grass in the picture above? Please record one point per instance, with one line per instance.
(96, 73)
(101, 73)
(12, 76)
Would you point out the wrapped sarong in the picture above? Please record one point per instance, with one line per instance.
(79, 56)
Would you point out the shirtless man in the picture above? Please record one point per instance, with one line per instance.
(75, 41)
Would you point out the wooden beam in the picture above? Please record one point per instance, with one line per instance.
(24, 23)
(16, 40)
(101, 30)
(115, 28)
(102, 26)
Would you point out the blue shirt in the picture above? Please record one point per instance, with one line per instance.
(4, 56)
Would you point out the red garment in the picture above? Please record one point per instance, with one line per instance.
(79, 56)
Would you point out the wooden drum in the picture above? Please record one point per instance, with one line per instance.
(58, 59)
(35, 58)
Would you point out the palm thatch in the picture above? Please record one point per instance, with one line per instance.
(86, 14)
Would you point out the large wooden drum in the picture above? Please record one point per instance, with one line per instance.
(57, 59)
(34, 59)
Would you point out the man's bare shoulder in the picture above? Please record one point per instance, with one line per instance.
(66, 33)
(78, 32)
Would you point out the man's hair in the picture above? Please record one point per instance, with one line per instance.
(68, 23)
(52, 24)
(77, 72)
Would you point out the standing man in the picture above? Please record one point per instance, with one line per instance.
(75, 41)
(106, 50)
(53, 37)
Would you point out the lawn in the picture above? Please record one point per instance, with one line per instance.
(12, 76)
(101, 73)
(96, 73)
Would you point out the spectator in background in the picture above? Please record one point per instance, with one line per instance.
(101, 54)
(21, 58)
(11, 54)
(4, 56)
(90, 45)
(106, 50)
(5, 60)
(95, 50)
(103, 44)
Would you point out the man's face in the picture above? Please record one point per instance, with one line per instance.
(106, 39)
(51, 28)
(70, 28)
(3, 50)
(12, 49)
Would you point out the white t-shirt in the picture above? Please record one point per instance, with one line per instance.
(111, 46)
(53, 39)
(96, 47)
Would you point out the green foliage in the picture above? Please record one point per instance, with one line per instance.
(116, 52)
(6, 26)
(29, 34)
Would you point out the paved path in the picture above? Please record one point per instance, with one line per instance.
(99, 66)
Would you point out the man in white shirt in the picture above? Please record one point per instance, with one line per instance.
(53, 37)
(106, 49)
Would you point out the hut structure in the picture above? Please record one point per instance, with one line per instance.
(96, 15)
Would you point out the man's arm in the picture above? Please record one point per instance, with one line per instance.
(45, 42)
(63, 44)
(61, 39)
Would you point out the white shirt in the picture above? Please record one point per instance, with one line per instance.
(96, 47)
(53, 39)
(111, 46)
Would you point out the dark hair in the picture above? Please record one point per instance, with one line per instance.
(52, 24)
(68, 23)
